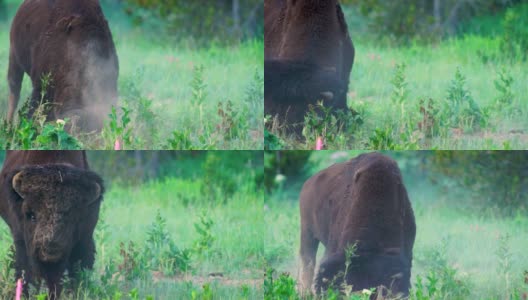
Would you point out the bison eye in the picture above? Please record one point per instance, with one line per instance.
(31, 216)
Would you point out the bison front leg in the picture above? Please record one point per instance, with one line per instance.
(308, 254)
(15, 74)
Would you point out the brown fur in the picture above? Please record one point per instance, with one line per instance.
(299, 85)
(70, 40)
(50, 201)
(309, 32)
(363, 202)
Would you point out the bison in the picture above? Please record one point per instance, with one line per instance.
(66, 48)
(50, 200)
(299, 85)
(312, 33)
(359, 210)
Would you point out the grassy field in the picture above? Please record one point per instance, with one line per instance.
(175, 91)
(470, 256)
(389, 101)
(165, 221)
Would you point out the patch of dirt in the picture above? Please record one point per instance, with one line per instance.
(519, 136)
(209, 278)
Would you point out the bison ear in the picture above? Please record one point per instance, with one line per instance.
(67, 23)
(16, 182)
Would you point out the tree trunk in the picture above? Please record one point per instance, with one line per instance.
(236, 19)
(437, 14)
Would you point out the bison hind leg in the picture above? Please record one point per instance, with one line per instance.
(308, 252)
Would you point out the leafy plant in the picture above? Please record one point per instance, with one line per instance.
(381, 140)
(503, 85)
(206, 293)
(514, 40)
(117, 129)
(505, 260)
(205, 240)
(460, 110)
(162, 252)
(232, 124)
(442, 280)
(330, 124)
(281, 287)
(400, 93)
(271, 141)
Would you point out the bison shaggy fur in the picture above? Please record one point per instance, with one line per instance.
(52, 209)
(359, 210)
(299, 84)
(308, 32)
(66, 48)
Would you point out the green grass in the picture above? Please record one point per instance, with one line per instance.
(235, 250)
(429, 72)
(448, 238)
(156, 69)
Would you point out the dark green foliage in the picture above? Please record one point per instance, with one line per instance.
(3, 10)
(37, 134)
(426, 20)
(271, 141)
(222, 173)
(279, 287)
(202, 21)
(514, 41)
(287, 163)
(497, 180)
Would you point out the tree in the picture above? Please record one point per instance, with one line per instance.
(424, 18)
(497, 180)
(204, 20)
(3, 10)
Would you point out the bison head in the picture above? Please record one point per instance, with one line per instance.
(54, 203)
(385, 271)
(79, 53)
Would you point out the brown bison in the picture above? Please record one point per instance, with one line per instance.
(361, 204)
(66, 48)
(299, 85)
(50, 201)
(311, 33)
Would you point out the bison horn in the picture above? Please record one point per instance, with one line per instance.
(96, 195)
(17, 183)
(327, 95)
(97, 191)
